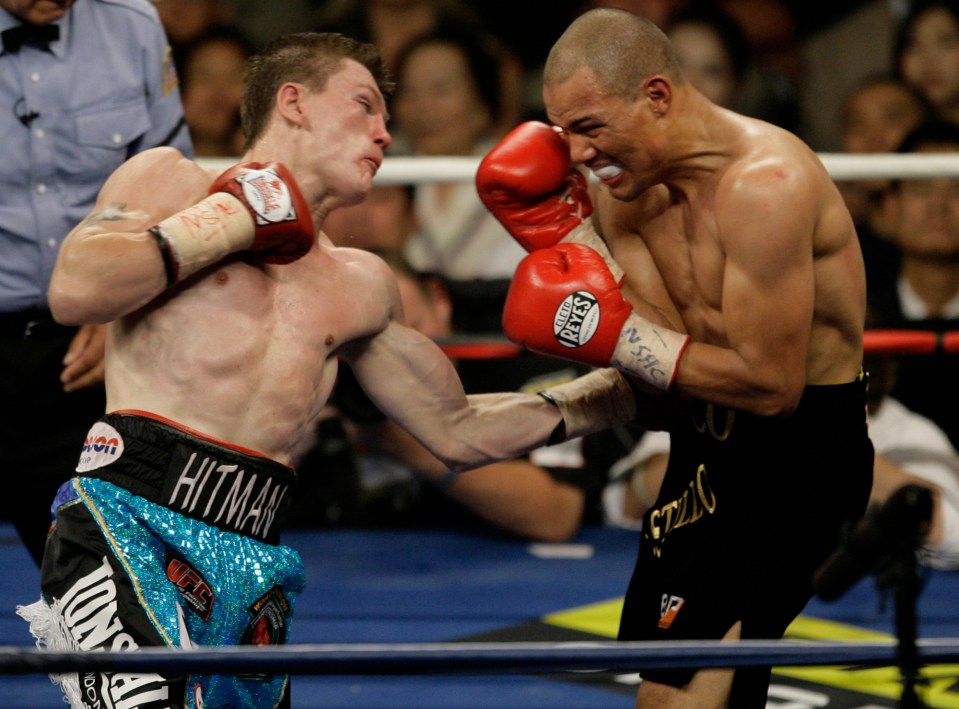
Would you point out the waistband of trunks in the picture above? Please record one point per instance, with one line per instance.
(232, 489)
(824, 410)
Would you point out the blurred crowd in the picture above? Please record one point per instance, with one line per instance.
(877, 76)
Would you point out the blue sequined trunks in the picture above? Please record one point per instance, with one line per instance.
(167, 538)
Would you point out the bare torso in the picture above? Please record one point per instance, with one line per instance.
(747, 252)
(246, 352)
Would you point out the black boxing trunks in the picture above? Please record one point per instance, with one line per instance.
(167, 538)
(749, 509)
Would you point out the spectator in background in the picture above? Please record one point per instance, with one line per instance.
(186, 21)
(876, 115)
(713, 52)
(912, 449)
(771, 90)
(81, 103)
(926, 54)
(212, 87)
(923, 293)
(262, 21)
(448, 102)
(392, 24)
(384, 221)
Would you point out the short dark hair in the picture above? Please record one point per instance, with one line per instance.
(309, 58)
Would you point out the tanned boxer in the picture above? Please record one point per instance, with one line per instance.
(733, 280)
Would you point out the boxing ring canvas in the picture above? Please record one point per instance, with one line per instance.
(443, 586)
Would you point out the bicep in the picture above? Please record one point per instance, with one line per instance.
(111, 251)
(410, 379)
(768, 280)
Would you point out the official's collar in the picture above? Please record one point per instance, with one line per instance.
(58, 48)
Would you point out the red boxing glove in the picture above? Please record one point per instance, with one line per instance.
(565, 302)
(283, 227)
(527, 181)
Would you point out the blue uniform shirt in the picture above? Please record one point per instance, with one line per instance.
(106, 90)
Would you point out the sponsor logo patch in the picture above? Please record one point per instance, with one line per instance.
(669, 608)
(170, 78)
(102, 446)
(191, 584)
(576, 319)
(268, 625)
(268, 195)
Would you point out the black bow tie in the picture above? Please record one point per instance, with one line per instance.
(14, 37)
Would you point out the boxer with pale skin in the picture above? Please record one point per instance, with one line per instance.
(723, 268)
(261, 340)
(229, 312)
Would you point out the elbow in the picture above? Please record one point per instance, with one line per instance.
(73, 303)
(775, 404)
(779, 399)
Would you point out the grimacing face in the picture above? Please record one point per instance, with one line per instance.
(607, 134)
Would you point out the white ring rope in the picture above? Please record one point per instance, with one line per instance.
(841, 166)
(490, 658)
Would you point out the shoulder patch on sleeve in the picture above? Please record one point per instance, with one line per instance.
(170, 77)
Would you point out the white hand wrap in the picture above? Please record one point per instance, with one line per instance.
(646, 350)
(203, 234)
(594, 402)
(649, 352)
(586, 234)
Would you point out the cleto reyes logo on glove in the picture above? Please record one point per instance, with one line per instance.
(268, 195)
(576, 319)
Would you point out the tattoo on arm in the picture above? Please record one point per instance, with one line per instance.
(112, 213)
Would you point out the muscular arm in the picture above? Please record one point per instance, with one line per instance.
(413, 382)
(109, 265)
(742, 286)
(767, 299)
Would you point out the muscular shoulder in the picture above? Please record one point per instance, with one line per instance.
(157, 166)
(158, 182)
(773, 163)
(370, 276)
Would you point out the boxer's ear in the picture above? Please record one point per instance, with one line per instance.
(289, 102)
(658, 90)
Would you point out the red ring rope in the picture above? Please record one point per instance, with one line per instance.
(875, 342)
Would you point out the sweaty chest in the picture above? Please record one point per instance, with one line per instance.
(686, 251)
(243, 310)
